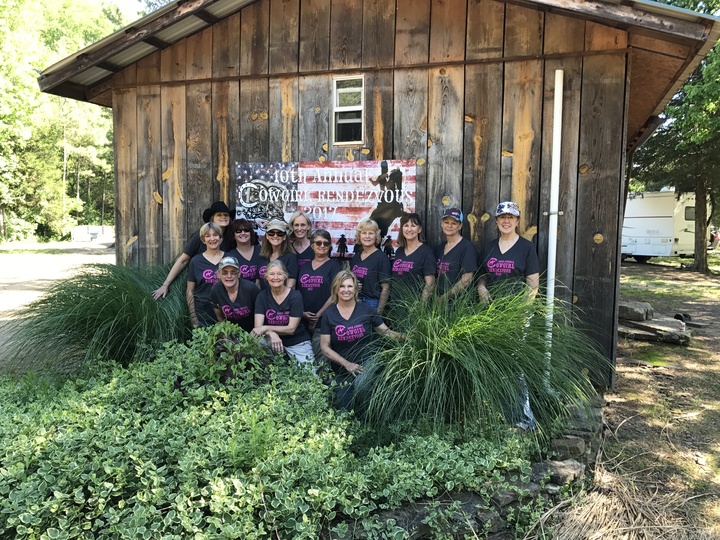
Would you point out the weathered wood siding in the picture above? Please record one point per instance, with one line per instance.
(465, 87)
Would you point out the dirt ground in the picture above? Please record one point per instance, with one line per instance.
(27, 270)
(663, 420)
(659, 472)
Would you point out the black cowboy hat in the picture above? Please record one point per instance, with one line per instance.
(217, 206)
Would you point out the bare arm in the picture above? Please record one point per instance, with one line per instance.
(291, 282)
(287, 330)
(219, 315)
(180, 263)
(533, 283)
(384, 295)
(429, 283)
(483, 293)
(352, 367)
(461, 285)
(385, 331)
(190, 299)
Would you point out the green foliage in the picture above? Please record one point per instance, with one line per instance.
(56, 158)
(463, 365)
(105, 311)
(164, 450)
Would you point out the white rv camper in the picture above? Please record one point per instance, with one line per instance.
(658, 224)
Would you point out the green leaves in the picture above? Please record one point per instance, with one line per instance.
(124, 453)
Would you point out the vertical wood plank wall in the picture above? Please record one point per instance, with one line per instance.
(465, 87)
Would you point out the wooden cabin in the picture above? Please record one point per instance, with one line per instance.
(463, 87)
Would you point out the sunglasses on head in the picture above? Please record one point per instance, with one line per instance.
(275, 233)
(322, 243)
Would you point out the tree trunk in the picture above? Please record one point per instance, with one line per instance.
(77, 178)
(701, 217)
(102, 207)
(2, 224)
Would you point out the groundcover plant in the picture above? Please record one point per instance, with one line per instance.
(175, 448)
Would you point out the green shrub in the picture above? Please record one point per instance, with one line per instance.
(163, 449)
(463, 364)
(104, 311)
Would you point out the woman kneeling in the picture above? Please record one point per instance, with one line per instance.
(278, 312)
(345, 334)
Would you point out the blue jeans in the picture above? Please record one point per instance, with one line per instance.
(372, 302)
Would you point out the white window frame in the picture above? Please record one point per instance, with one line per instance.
(336, 109)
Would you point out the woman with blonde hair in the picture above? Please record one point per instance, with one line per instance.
(346, 333)
(202, 275)
(301, 227)
(371, 266)
(275, 246)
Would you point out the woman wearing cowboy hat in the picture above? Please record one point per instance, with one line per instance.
(275, 246)
(218, 213)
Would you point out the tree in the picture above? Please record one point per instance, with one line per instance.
(685, 151)
(41, 136)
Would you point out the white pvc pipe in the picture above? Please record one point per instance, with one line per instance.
(554, 202)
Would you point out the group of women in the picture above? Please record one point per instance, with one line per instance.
(289, 291)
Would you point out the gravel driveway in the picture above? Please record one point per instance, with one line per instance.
(28, 270)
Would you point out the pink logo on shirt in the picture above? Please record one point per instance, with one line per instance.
(359, 271)
(277, 318)
(349, 333)
(309, 282)
(499, 267)
(210, 276)
(401, 267)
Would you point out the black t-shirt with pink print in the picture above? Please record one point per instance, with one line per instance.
(409, 271)
(508, 269)
(279, 314)
(350, 337)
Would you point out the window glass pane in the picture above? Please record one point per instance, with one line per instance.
(689, 213)
(349, 98)
(349, 83)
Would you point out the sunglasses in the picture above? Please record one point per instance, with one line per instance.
(322, 243)
(275, 233)
(229, 272)
(242, 230)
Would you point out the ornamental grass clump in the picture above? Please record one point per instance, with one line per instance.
(103, 311)
(466, 366)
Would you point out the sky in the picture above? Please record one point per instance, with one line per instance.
(130, 8)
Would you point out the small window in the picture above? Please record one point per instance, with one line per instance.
(689, 213)
(348, 125)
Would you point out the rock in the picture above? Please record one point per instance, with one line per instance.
(568, 447)
(489, 520)
(504, 497)
(635, 311)
(564, 472)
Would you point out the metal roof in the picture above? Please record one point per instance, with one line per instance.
(76, 75)
(72, 76)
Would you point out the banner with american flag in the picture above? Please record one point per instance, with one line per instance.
(335, 194)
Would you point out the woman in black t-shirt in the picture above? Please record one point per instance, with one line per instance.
(278, 312)
(413, 270)
(345, 332)
(275, 246)
(301, 227)
(202, 275)
(246, 250)
(371, 266)
(508, 264)
(219, 214)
